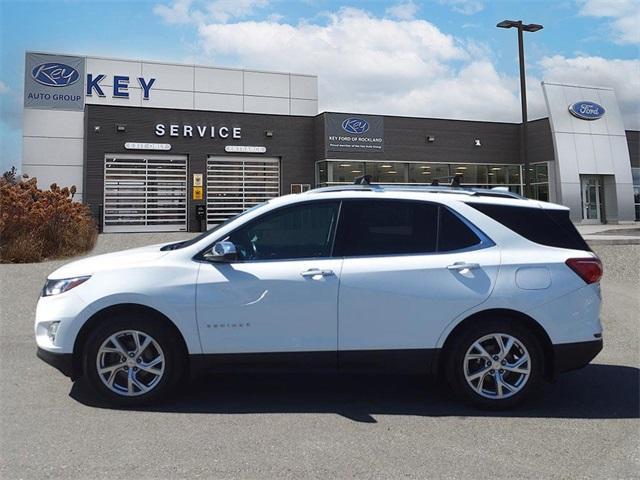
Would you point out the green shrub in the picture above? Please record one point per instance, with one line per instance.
(36, 224)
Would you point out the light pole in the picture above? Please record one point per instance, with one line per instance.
(524, 157)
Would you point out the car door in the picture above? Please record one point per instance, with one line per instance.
(281, 294)
(409, 269)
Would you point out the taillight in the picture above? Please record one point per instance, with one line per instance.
(588, 269)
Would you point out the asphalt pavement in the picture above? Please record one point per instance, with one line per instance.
(586, 425)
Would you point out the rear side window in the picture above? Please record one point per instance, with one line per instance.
(453, 233)
(387, 227)
(552, 228)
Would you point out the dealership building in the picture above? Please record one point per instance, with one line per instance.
(169, 147)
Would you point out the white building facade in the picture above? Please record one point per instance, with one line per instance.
(164, 146)
(54, 127)
(593, 170)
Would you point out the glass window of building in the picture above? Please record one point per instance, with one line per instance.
(471, 174)
(387, 172)
(539, 178)
(420, 173)
(321, 173)
(635, 172)
(344, 171)
(332, 172)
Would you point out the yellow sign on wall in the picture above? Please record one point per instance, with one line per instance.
(197, 193)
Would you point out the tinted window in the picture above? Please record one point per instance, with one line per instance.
(546, 227)
(386, 228)
(453, 233)
(301, 231)
(196, 239)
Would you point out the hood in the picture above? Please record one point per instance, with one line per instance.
(110, 261)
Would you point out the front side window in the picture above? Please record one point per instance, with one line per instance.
(386, 228)
(300, 231)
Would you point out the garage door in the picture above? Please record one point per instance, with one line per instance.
(235, 184)
(145, 193)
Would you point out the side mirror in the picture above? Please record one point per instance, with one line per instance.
(222, 252)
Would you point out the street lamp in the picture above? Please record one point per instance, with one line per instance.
(524, 158)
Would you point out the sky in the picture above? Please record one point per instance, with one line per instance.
(427, 58)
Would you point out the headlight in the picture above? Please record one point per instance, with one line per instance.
(54, 287)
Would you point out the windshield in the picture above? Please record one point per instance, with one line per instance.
(197, 238)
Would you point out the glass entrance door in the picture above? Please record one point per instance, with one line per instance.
(591, 198)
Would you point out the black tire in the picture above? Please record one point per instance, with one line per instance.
(173, 365)
(524, 385)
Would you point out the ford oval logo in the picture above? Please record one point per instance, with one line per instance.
(586, 110)
(55, 74)
(357, 126)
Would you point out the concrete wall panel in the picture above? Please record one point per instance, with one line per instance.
(218, 102)
(51, 151)
(52, 123)
(170, 99)
(304, 87)
(273, 105)
(169, 77)
(266, 84)
(303, 107)
(218, 80)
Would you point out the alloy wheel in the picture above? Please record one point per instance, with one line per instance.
(130, 363)
(497, 366)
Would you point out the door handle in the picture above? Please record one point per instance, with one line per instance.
(314, 272)
(463, 266)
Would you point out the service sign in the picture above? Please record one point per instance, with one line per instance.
(54, 82)
(354, 133)
(147, 146)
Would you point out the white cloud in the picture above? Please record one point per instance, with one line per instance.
(403, 11)
(622, 75)
(224, 10)
(188, 11)
(372, 64)
(178, 12)
(4, 88)
(466, 7)
(624, 14)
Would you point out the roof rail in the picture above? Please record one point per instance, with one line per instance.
(417, 188)
(349, 187)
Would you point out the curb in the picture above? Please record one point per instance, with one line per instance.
(613, 241)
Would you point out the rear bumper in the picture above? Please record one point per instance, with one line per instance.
(571, 356)
(60, 361)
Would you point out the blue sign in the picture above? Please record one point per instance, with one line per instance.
(54, 74)
(586, 110)
(120, 86)
(356, 126)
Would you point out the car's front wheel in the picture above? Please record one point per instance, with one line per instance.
(495, 364)
(133, 361)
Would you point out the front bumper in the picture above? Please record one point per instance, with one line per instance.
(571, 356)
(61, 361)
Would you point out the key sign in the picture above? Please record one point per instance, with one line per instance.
(55, 74)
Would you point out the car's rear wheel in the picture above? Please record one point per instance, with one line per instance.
(495, 364)
(131, 361)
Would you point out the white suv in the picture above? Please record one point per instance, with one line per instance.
(494, 291)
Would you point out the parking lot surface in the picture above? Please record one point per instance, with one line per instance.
(586, 425)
